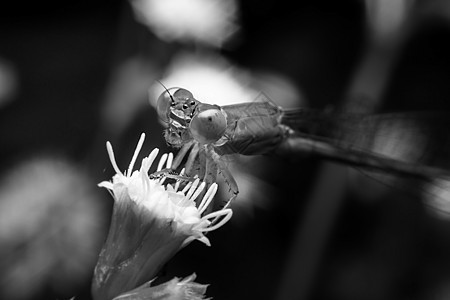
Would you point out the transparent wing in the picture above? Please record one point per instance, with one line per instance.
(252, 128)
(412, 145)
(416, 138)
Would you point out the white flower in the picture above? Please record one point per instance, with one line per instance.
(151, 222)
(166, 202)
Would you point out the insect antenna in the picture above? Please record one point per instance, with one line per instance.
(166, 89)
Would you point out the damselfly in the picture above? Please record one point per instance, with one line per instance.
(401, 144)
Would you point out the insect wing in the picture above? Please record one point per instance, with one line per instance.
(260, 106)
(410, 137)
(253, 128)
(419, 140)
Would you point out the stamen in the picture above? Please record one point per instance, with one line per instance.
(112, 158)
(136, 153)
(207, 198)
(177, 185)
(161, 162)
(198, 191)
(148, 161)
(169, 161)
(192, 189)
(145, 182)
(187, 187)
(227, 213)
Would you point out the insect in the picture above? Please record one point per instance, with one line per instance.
(400, 144)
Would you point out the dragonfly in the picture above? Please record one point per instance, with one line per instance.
(402, 144)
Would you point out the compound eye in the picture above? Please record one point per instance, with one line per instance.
(208, 126)
(165, 101)
(181, 93)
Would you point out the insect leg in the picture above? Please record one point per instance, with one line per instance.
(181, 154)
(169, 173)
(210, 174)
(190, 169)
(214, 159)
(211, 168)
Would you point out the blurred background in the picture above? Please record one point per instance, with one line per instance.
(76, 74)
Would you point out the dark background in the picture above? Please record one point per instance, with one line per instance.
(347, 247)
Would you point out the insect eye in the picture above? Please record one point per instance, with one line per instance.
(165, 101)
(183, 94)
(192, 103)
(208, 126)
(185, 106)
